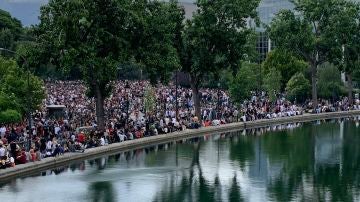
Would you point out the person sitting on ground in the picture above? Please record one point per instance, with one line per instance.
(57, 151)
(2, 151)
(32, 155)
(81, 137)
(21, 157)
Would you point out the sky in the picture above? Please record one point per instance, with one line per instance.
(27, 11)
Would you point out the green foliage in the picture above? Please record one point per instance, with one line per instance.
(285, 63)
(7, 39)
(343, 33)
(8, 22)
(298, 88)
(330, 85)
(242, 85)
(98, 35)
(10, 116)
(154, 36)
(272, 83)
(11, 32)
(305, 33)
(14, 89)
(8, 102)
(149, 99)
(217, 37)
(85, 34)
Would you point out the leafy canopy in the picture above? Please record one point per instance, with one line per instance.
(298, 88)
(285, 63)
(243, 83)
(14, 89)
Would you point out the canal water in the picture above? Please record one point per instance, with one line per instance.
(297, 162)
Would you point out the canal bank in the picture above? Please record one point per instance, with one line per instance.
(48, 163)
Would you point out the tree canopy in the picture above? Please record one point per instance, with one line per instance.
(285, 63)
(99, 35)
(305, 34)
(214, 39)
(14, 89)
(298, 88)
(343, 32)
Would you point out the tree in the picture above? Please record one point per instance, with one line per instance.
(272, 83)
(285, 63)
(298, 88)
(243, 83)
(154, 36)
(343, 32)
(215, 39)
(14, 89)
(7, 39)
(11, 32)
(8, 22)
(99, 35)
(304, 34)
(330, 84)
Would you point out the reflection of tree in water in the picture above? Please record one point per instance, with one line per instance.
(342, 179)
(196, 188)
(296, 153)
(234, 194)
(102, 191)
(242, 149)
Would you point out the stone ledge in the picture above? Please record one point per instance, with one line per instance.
(48, 163)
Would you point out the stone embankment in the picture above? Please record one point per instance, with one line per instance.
(48, 163)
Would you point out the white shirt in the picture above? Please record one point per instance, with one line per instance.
(2, 151)
(2, 131)
(49, 145)
(102, 141)
(57, 130)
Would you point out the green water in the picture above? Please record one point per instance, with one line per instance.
(309, 162)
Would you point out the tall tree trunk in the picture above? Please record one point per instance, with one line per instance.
(314, 84)
(100, 115)
(196, 97)
(350, 88)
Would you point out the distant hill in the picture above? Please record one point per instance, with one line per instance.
(27, 11)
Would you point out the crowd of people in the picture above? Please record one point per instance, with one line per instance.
(127, 119)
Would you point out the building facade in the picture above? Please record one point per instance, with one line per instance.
(267, 10)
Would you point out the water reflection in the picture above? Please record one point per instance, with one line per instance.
(102, 191)
(302, 162)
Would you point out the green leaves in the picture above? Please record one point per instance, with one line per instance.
(9, 116)
(156, 30)
(298, 88)
(285, 63)
(330, 85)
(216, 38)
(14, 88)
(306, 33)
(272, 83)
(246, 80)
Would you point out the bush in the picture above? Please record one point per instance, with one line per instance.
(10, 116)
(285, 63)
(298, 88)
(246, 80)
(330, 85)
(272, 83)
